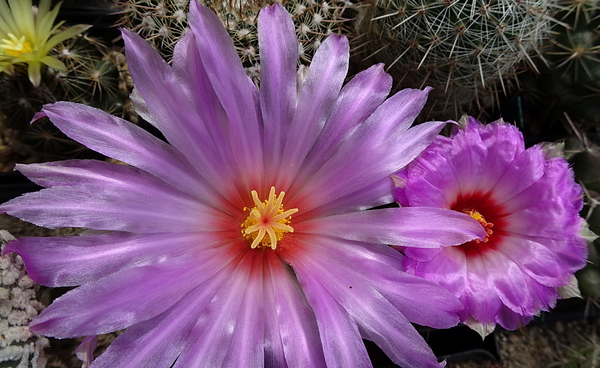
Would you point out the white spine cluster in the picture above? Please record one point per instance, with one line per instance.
(19, 347)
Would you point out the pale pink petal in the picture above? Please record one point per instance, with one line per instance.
(340, 336)
(292, 324)
(229, 338)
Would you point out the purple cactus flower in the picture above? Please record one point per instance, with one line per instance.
(528, 203)
(244, 240)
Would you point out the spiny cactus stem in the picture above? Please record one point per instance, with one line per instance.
(405, 20)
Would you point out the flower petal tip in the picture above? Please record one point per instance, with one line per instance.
(8, 249)
(274, 10)
(38, 115)
(483, 329)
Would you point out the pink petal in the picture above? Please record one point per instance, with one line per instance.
(156, 342)
(104, 196)
(479, 297)
(511, 320)
(235, 90)
(467, 171)
(553, 219)
(366, 286)
(557, 182)
(508, 282)
(526, 169)
(356, 101)
(125, 142)
(125, 298)
(315, 102)
(446, 267)
(278, 56)
(76, 260)
(406, 226)
(536, 260)
(504, 143)
(292, 323)
(184, 122)
(366, 158)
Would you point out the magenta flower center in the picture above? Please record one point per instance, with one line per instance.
(268, 221)
(489, 214)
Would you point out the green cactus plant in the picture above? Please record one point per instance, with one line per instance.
(467, 50)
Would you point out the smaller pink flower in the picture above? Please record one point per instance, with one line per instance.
(527, 202)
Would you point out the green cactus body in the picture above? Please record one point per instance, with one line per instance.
(472, 45)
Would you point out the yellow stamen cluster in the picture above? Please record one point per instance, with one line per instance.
(15, 46)
(487, 225)
(267, 218)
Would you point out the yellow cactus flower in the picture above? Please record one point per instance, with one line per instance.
(28, 33)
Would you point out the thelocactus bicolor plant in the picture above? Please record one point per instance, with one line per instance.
(453, 45)
(529, 205)
(28, 34)
(244, 241)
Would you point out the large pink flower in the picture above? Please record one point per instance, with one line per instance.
(244, 240)
(527, 202)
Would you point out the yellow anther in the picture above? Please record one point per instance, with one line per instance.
(487, 225)
(267, 218)
(15, 46)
